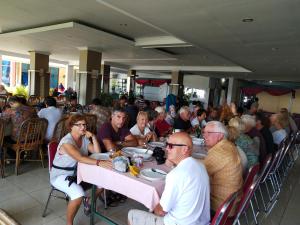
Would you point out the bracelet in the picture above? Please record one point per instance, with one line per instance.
(97, 162)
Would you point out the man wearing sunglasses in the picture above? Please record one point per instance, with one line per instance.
(222, 163)
(185, 199)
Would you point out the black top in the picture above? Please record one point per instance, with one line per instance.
(266, 133)
(132, 112)
(181, 124)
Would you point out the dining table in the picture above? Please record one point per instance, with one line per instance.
(147, 192)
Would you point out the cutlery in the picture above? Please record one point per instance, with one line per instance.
(155, 171)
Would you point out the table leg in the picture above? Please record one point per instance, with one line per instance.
(94, 211)
(93, 205)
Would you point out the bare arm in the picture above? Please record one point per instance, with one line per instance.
(130, 141)
(95, 147)
(158, 210)
(75, 154)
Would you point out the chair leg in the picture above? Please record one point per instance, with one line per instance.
(42, 156)
(105, 199)
(17, 162)
(48, 200)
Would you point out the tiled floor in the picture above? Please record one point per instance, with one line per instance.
(24, 197)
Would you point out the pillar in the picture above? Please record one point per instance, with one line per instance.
(176, 86)
(38, 75)
(232, 92)
(131, 80)
(69, 81)
(105, 71)
(89, 83)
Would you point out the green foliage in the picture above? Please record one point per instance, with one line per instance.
(21, 90)
(106, 99)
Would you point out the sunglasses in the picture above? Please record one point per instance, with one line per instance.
(171, 145)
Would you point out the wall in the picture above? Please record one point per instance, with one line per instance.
(271, 103)
(198, 82)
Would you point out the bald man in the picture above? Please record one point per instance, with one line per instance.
(185, 199)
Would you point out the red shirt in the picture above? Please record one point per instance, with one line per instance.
(162, 127)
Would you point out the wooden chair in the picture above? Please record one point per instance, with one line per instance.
(1, 148)
(30, 138)
(91, 122)
(33, 100)
(60, 129)
(3, 101)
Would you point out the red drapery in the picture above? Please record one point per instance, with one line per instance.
(271, 91)
(155, 83)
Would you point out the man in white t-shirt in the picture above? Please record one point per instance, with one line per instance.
(52, 114)
(186, 197)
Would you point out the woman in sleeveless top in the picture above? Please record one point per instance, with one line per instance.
(73, 148)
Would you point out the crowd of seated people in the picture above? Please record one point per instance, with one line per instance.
(235, 139)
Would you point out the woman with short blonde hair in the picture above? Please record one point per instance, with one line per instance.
(244, 142)
(141, 129)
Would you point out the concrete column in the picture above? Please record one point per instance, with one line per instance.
(69, 81)
(105, 71)
(176, 86)
(38, 75)
(88, 76)
(232, 90)
(131, 80)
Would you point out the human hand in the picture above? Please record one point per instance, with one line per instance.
(89, 134)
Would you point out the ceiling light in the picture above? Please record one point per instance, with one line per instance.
(270, 81)
(248, 20)
(223, 80)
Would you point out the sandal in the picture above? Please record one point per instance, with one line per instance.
(86, 206)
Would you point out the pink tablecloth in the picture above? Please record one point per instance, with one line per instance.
(141, 190)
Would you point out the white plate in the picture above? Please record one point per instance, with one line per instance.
(130, 151)
(157, 144)
(100, 156)
(148, 174)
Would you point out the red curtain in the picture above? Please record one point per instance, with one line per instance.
(142, 81)
(155, 83)
(271, 91)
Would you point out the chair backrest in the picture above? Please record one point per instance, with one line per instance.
(33, 100)
(60, 129)
(91, 121)
(3, 101)
(265, 167)
(253, 171)
(223, 211)
(52, 149)
(243, 204)
(31, 134)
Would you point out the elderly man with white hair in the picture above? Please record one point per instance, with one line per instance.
(253, 132)
(182, 122)
(223, 164)
(162, 128)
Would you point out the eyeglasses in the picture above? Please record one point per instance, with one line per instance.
(211, 132)
(80, 124)
(171, 145)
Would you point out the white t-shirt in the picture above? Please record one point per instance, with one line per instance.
(136, 131)
(53, 115)
(195, 122)
(279, 135)
(186, 197)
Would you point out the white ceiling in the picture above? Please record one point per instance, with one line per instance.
(222, 45)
